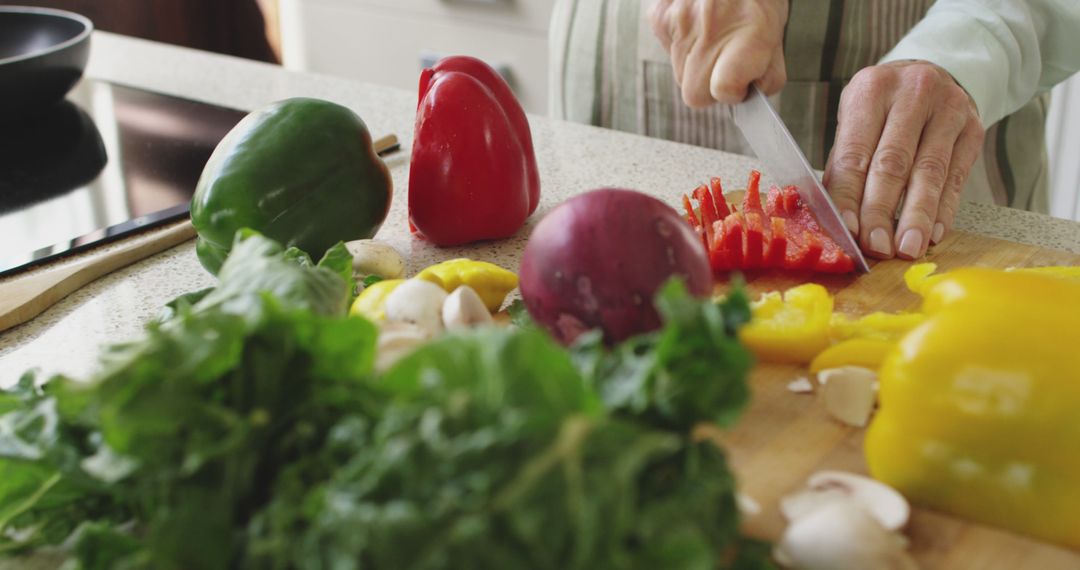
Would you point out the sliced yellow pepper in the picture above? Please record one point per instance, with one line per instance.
(864, 352)
(371, 302)
(879, 325)
(491, 282)
(918, 276)
(978, 405)
(791, 328)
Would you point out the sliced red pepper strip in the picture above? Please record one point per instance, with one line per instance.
(813, 250)
(690, 215)
(732, 240)
(777, 249)
(720, 203)
(753, 240)
(774, 202)
(834, 260)
(752, 198)
(708, 212)
(791, 200)
(718, 256)
(781, 233)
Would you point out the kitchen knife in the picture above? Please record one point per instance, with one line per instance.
(787, 165)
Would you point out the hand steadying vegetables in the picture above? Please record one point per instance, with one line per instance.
(249, 431)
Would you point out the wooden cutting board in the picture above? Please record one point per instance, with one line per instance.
(784, 437)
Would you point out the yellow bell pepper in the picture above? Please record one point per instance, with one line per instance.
(1053, 271)
(790, 328)
(979, 405)
(863, 352)
(491, 282)
(371, 302)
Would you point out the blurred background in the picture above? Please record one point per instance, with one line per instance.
(336, 37)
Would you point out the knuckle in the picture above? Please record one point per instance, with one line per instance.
(955, 182)
(892, 163)
(853, 157)
(860, 92)
(923, 76)
(868, 77)
(934, 168)
(877, 210)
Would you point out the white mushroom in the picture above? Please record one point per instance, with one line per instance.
(841, 536)
(397, 340)
(849, 393)
(418, 302)
(372, 257)
(464, 309)
(881, 501)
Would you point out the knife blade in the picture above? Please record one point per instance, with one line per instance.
(776, 148)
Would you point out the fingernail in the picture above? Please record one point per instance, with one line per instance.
(939, 232)
(911, 244)
(879, 242)
(851, 221)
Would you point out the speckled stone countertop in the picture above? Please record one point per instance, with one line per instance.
(572, 159)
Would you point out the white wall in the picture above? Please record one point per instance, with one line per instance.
(1063, 143)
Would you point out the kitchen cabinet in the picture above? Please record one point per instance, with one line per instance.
(388, 42)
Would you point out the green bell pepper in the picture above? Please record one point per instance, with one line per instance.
(301, 171)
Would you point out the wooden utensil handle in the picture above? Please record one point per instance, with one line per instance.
(28, 295)
(385, 144)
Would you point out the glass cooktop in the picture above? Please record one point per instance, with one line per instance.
(108, 161)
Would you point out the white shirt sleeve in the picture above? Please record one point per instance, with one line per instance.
(1003, 52)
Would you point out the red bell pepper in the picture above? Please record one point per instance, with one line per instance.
(781, 233)
(473, 174)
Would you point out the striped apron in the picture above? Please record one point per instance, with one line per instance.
(608, 69)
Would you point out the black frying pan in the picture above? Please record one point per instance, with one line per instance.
(42, 55)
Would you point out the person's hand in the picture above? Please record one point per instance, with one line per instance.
(904, 127)
(719, 47)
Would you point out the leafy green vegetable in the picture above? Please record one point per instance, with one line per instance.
(371, 280)
(249, 430)
(690, 371)
(492, 453)
(184, 431)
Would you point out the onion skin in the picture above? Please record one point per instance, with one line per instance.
(597, 261)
